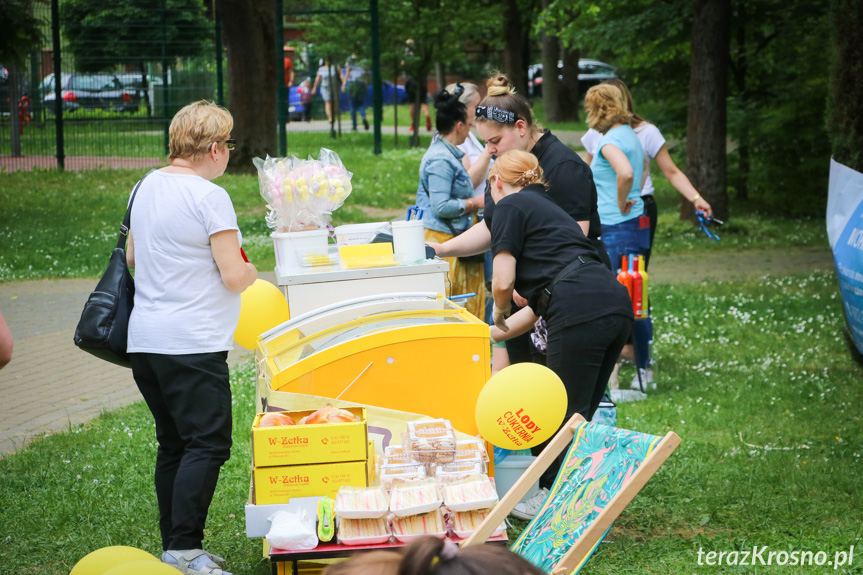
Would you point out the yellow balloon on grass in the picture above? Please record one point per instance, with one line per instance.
(263, 307)
(521, 406)
(100, 560)
(141, 567)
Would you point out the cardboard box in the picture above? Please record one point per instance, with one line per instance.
(304, 444)
(281, 484)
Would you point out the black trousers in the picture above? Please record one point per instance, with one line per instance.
(583, 356)
(190, 399)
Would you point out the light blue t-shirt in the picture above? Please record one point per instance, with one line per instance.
(624, 138)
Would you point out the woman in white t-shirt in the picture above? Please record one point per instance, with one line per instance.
(184, 244)
(654, 149)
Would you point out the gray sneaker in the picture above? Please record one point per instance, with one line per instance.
(194, 562)
(528, 508)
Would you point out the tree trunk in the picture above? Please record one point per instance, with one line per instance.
(706, 122)
(740, 71)
(440, 75)
(569, 97)
(513, 53)
(550, 83)
(250, 40)
(844, 116)
(15, 121)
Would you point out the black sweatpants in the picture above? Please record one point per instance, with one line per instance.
(190, 399)
(583, 356)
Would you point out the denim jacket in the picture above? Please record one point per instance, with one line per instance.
(448, 185)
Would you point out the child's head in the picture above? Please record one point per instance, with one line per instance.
(433, 556)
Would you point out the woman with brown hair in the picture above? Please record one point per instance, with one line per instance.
(544, 254)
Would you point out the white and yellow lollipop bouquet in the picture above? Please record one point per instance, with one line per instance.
(302, 194)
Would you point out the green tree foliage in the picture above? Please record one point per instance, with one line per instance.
(102, 34)
(777, 83)
(845, 119)
(20, 31)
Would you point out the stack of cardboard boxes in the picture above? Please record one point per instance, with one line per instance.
(309, 460)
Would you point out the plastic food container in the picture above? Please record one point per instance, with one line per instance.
(475, 492)
(464, 523)
(406, 529)
(361, 502)
(352, 234)
(363, 531)
(289, 244)
(415, 498)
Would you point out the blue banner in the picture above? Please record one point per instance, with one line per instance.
(845, 231)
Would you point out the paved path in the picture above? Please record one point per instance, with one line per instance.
(50, 384)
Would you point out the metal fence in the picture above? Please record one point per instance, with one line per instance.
(116, 105)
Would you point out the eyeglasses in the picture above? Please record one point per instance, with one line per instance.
(231, 143)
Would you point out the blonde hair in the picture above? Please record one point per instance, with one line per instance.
(195, 127)
(627, 97)
(470, 90)
(605, 106)
(501, 94)
(517, 168)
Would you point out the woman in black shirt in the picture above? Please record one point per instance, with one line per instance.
(538, 248)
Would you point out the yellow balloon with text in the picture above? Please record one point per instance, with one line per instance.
(521, 406)
(142, 568)
(101, 560)
(263, 307)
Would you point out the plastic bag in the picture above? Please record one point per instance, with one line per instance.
(292, 531)
(302, 194)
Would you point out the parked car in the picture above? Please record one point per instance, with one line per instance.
(134, 84)
(89, 92)
(590, 73)
(391, 94)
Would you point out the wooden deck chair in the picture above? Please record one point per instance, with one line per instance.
(603, 470)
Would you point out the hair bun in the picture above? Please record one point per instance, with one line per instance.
(499, 85)
(443, 99)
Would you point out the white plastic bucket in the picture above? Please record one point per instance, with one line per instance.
(409, 243)
(353, 234)
(507, 472)
(288, 244)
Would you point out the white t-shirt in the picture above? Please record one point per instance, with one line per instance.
(651, 140)
(181, 304)
(472, 148)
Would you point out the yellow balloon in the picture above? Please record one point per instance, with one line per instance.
(141, 568)
(521, 406)
(101, 560)
(263, 307)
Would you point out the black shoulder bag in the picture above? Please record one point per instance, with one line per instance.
(475, 258)
(104, 324)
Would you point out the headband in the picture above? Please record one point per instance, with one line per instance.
(496, 114)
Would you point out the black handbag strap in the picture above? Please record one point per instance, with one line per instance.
(578, 262)
(124, 228)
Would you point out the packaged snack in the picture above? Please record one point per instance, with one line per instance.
(431, 441)
(407, 528)
(393, 450)
(389, 474)
(329, 414)
(363, 531)
(464, 523)
(361, 502)
(457, 471)
(276, 419)
(470, 449)
(414, 498)
(475, 492)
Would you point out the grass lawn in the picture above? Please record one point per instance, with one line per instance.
(754, 377)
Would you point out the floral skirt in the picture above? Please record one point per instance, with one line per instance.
(464, 277)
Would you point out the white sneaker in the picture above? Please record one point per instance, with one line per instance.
(194, 562)
(643, 380)
(625, 395)
(528, 508)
